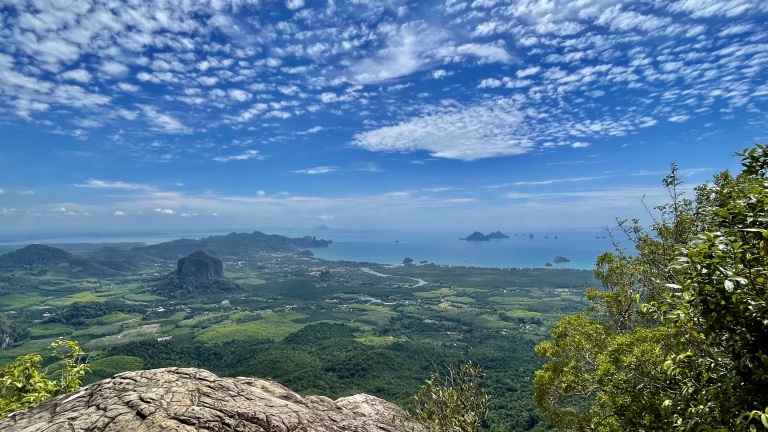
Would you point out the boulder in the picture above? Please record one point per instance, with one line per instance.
(186, 400)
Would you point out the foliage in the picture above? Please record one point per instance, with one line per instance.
(11, 331)
(721, 305)
(77, 314)
(452, 401)
(24, 382)
(677, 339)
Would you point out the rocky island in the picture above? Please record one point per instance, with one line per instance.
(478, 236)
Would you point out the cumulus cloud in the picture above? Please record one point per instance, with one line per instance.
(239, 95)
(80, 75)
(294, 4)
(162, 211)
(467, 133)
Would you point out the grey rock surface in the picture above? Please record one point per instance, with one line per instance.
(186, 399)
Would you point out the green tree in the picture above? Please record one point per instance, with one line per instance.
(24, 383)
(676, 339)
(720, 305)
(604, 369)
(453, 401)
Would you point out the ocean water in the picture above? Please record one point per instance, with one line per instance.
(581, 247)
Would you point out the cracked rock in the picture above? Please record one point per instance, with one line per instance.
(186, 400)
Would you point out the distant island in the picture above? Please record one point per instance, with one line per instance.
(478, 236)
(561, 259)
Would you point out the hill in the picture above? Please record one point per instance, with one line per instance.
(231, 245)
(196, 273)
(40, 259)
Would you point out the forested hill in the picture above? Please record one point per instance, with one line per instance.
(39, 259)
(231, 245)
(108, 261)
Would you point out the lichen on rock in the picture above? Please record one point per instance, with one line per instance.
(186, 400)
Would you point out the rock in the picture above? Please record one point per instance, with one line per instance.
(477, 236)
(186, 399)
(198, 272)
(497, 235)
(200, 265)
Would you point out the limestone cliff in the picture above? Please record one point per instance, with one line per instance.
(201, 266)
(186, 400)
(198, 272)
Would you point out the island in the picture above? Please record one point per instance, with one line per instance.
(561, 259)
(478, 236)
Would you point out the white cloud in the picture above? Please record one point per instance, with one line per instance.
(163, 122)
(128, 87)
(80, 75)
(118, 213)
(103, 184)
(408, 49)
(114, 68)
(490, 83)
(488, 53)
(679, 118)
(165, 211)
(294, 4)
(555, 181)
(533, 70)
(486, 130)
(439, 73)
(16, 192)
(239, 95)
(712, 8)
(248, 154)
(317, 170)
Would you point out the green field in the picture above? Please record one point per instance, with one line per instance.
(348, 332)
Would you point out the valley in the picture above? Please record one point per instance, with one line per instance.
(319, 327)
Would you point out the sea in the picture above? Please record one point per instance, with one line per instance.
(523, 248)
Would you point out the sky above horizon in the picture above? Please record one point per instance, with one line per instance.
(470, 115)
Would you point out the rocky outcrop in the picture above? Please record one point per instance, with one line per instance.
(196, 273)
(182, 399)
(201, 266)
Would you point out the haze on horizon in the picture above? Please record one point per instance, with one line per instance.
(141, 116)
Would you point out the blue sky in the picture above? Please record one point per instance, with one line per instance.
(467, 115)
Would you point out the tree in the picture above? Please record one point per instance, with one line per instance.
(24, 383)
(721, 305)
(604, 369)
(453, 401)
(677, 338)
(408, 261)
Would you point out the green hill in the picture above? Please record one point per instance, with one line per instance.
(196, 273)
(40, 259)
(231, 245)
